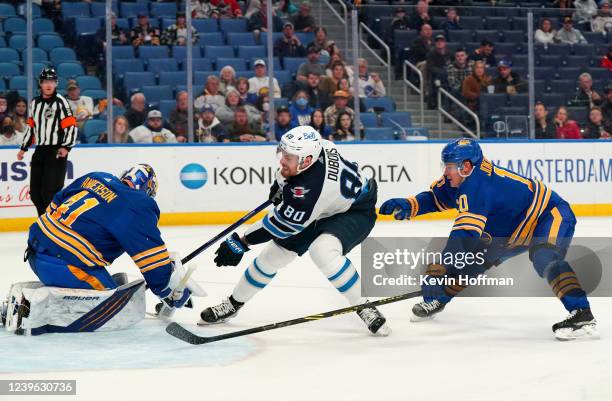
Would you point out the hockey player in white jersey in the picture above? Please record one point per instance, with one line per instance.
(324, 206)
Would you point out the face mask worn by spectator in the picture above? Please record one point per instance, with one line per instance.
(301, 102)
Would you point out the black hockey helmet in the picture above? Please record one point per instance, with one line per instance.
(47, 74)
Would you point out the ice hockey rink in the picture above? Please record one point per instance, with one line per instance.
(477, 349)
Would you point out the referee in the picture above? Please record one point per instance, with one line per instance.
(53, 128)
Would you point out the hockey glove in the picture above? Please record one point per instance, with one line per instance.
(276, 194)
(177, 299)
(230, 252)
(399, 207)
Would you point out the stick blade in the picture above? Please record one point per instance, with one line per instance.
(178, 331)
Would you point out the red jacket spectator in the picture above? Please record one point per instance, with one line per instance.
(606, 61)
(233, 4)
(566, 128)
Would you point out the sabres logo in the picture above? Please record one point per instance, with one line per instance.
(299, 192)
(464, 142)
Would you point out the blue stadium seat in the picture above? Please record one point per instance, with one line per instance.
(404, 38)
(8, 69)
(544, 72)
(200, 64)
(123, 52)
(200, 77)
(123, 23)
(157, 65)
(75, 9)
(498, 23)
(211, 38)
(263, 38)
(282, 77)
(292, 64)
(214, 52)
(129, 10)
(166, 22)
(491, 103)
(166, 106)
(462, 36)
(18, 42)
(236, 63)
(121, 66)
(565, 86)
(38, 55)
(2, 41)
(550, 60)
(233, 25)
(95, 94)
(580, 114)
(518, 60)
(519, 24)
(601, 74)
(373, 103)
(508, 49)
(70, 70)
(240, 38)
(519, 100)
(551, 100)
(98, 9)
(2, 85)
(171, 78)
(18, 82)
(14, 25)
(392, 120)
(472, 23)
(369, 120)
(249, 52)
(205, 25)
(87, 25)
(7, 10)
(42, 25)
(36, 69)
(61, 55)
(163, 9)
(561, 49)
(245, 73)
(48, 42)
(117, 111)
(380, 134)
(584, 50)
(92, 130)
(88, 82)
(489, 34)
(155, 93)
(9, 55)
(137, 80)
(514, 37)
(569, 72)
(149, 52)
(577, 61)
(305, 37)
(595, 38)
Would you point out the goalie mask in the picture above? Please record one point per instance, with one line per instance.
(302, 142)
(141, 177)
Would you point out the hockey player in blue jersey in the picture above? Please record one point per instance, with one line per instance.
(86, 227)
(502, 214)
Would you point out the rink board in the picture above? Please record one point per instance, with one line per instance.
(215, 184)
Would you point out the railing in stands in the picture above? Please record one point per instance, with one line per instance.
(420, 90)
(340, 18)
(441, 111)
(364, 42)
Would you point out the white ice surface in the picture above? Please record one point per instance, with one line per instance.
(478, 349)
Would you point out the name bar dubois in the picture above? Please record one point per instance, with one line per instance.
(462, 280)
(37, 387)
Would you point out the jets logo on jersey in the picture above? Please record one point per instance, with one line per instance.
(299, 192)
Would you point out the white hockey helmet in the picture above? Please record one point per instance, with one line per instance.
(302, 141)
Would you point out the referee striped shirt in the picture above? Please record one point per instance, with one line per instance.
(51, 123)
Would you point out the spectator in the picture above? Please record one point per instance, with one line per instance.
(201, 9)
(209, 128)
(320, 41)
(317, 121)
(484, 53)
(458, 71)
(176, 34)
(20, 116)
(289, 44)
(337, 57)
(179, 117)
(340, 105)
(420, 16)
(597, 127)
(8, 135)
(544, 127)
(475, 84)
(253, 7)
(136, 113)
(261, 79)
(241, 131)
(242, 85)
(421, 45)
(303, 21)
(263, 106)
(121, 129)
(329, 84)
(227, 79)
(226, 112)
(452, 21)
(437, 62)
(508, 81)
(284, 9)
(300, 109)
(318, 99)
(211, 94)
(370, 84)
(343, 128)
(227, 8)
(586, 10)
(606, 60)
(152, 130)
(82, 106)
(586, 95)
(258, 22)
(311, 65)
(566, 128)
(603, 22)
(145, 34)
(568, 34)
(606, 106)
(545, 35)
(399, 23)
(119, 36)
(284, 123)
(3, 105)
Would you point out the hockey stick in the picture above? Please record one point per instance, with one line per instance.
(178, 331)
(229, 229)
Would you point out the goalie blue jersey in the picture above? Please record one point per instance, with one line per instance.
(96, 219)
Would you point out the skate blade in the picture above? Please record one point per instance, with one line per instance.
(205, 323)
(416, 319)
(383, 331)
(587, 332)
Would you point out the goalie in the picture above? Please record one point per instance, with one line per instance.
(86, 227)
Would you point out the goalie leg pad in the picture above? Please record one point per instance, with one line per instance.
(71, 310)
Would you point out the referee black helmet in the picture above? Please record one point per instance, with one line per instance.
(47, 74)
